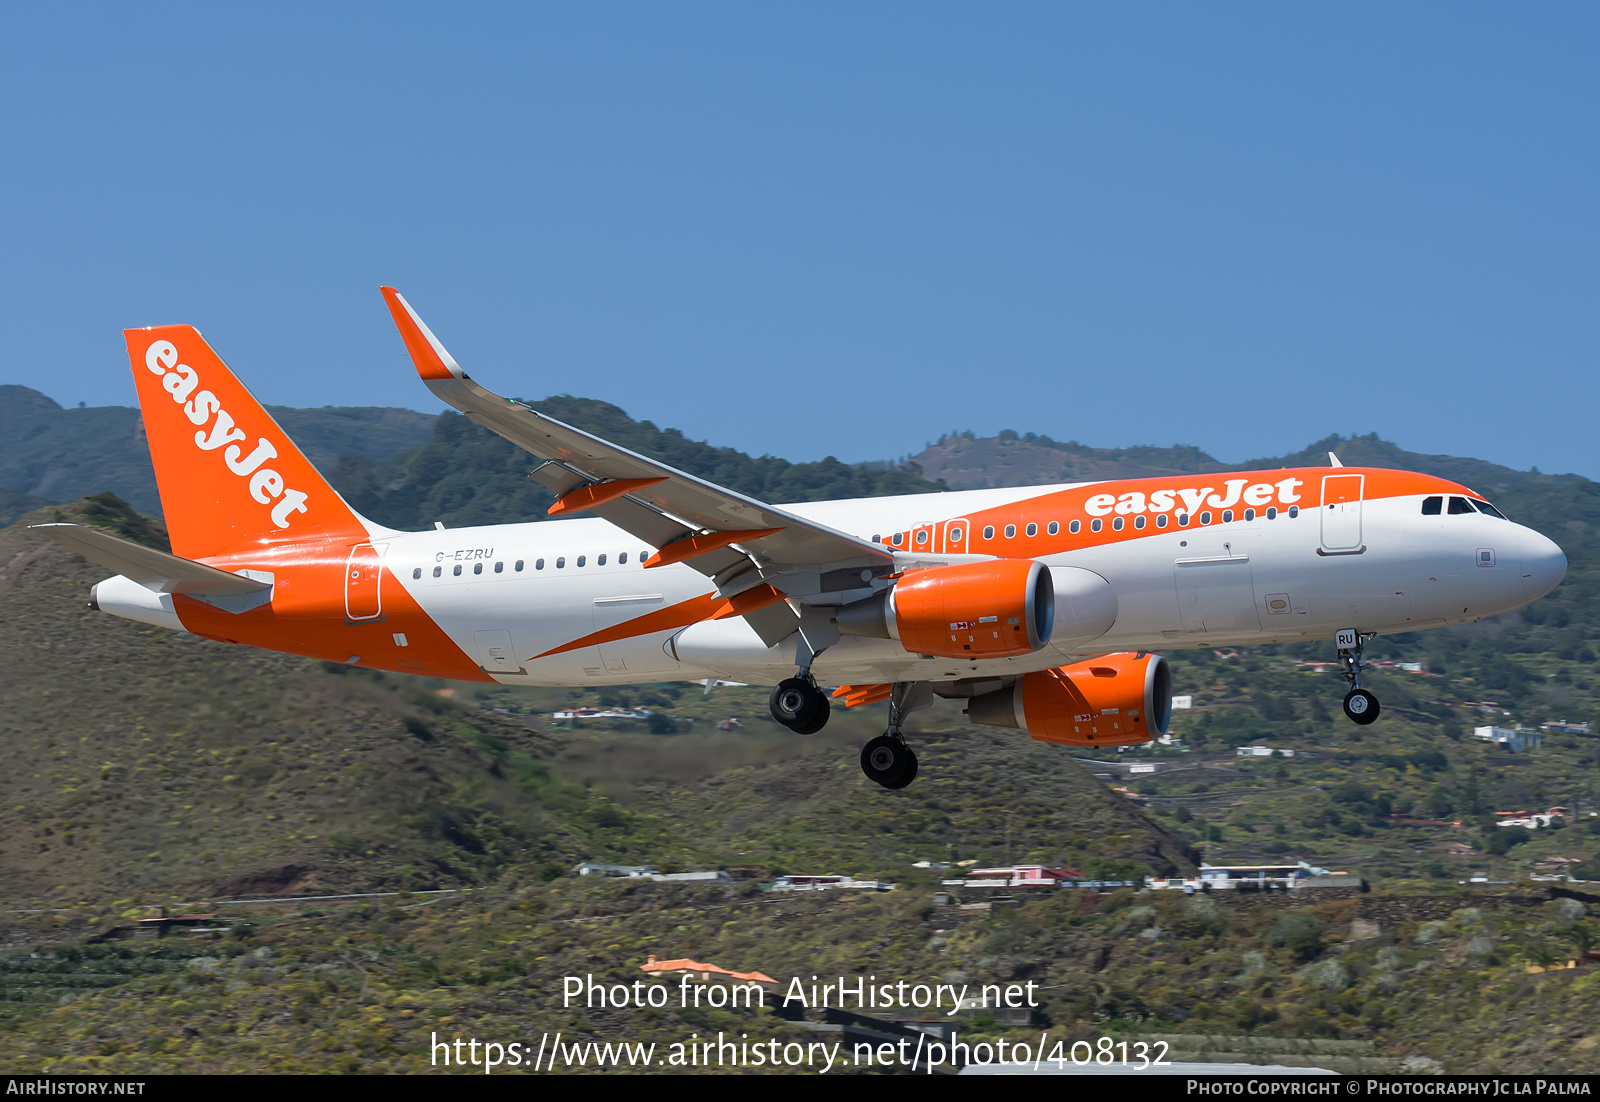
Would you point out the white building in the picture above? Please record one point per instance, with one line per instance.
(1516, 740)
(1262, 752)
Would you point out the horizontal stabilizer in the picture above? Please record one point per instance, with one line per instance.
(155, 570)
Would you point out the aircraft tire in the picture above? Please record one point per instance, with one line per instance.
(886, 760)
(818, 722)
(909, 775)
(1361, 706)
(796, 704)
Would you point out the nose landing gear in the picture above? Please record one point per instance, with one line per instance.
(1359, 704)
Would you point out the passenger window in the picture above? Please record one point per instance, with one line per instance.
(417, 573)
(1205, 517)
(518, 567)
(899, 538)
(1074, 527)
(1272, 513)
(601, 561)
(1432, 506)
(1033, 529)
(477, 568)
(1227, 516)
(1011, 531)
(1490, 510)
(1116, 524)
(1294, 511)
(1183, 520)
(1458, 506)
(875, 539)
(1055, 527)
(1161, 520)
(499, 568)
(622, 559)
(1249, 514)
(922, 537)
(438, 570)
(1094, 525)
(582, 559)
(561, 562)
(538, 564)
(988, 532)
(1138, 521)
(457, 570)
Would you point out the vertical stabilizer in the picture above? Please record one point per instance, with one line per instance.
(228, 475)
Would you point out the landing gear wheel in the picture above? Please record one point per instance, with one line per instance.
(888, 762)
(818, 722)
(909, 775)
(1361, 706)
(797, 703)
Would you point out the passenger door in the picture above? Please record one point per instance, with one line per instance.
(363, 580)
(1341, 513)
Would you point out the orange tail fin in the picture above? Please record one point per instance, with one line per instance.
(228, 475)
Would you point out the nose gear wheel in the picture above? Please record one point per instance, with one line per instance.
(1361, 706)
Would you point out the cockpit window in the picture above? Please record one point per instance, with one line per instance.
(1458, 505)
(1485, 507)
(1432, 506)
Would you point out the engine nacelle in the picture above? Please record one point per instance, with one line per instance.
(997, 608)
(1114, 700)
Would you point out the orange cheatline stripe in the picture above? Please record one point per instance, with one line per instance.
(751, 600)
(598, 493)
(679, 615)
(691, 546)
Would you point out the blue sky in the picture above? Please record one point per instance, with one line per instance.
(834, 228)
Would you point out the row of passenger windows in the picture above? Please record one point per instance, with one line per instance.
(1433, 506)
(1095, 525)
(517, 567)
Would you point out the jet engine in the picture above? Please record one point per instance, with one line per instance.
(996, 608)
(1113, 700)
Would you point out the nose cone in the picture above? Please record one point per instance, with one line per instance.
(1543, 564)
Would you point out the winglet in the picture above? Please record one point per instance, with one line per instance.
(432, 361)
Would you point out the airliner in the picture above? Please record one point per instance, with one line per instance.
(1041, 607)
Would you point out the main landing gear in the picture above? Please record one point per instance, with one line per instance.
(799, 705)
(1359, 704)
(887, 760)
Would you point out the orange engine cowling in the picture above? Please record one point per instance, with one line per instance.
(997, 608)
(1114, 700)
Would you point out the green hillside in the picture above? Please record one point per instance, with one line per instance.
(146, 769)
(53, 454)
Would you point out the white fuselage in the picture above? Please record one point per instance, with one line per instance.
(1243, 582)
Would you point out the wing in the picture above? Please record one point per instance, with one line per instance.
(737, 541)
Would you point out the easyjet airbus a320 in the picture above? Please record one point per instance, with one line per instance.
(1041, 606)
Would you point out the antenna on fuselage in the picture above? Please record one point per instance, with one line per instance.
(1333, 460)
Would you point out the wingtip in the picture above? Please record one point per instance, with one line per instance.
(430, 357)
